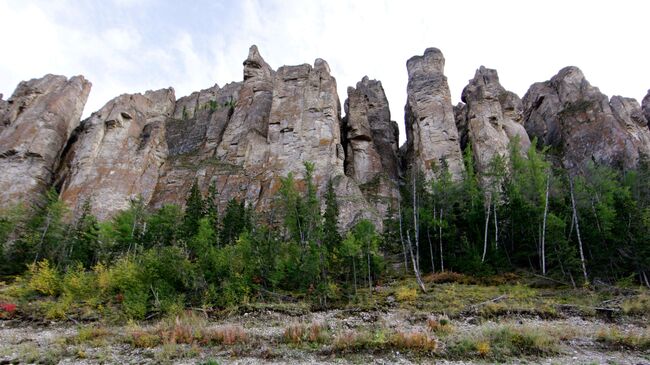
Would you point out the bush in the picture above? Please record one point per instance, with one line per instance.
(79, 284)
(44, 279)
(405, 294)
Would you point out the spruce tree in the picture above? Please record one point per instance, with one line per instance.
(194, 210)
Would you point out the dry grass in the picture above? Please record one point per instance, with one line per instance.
(633, 340)
(440, 326)
(414, 340)
(298, 333)
(226, 335)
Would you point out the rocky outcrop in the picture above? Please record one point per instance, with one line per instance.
(192, 145)
(370, 140)
(272, 123)
(431, 134)
(490, 119)
(116, 155)
(581, 123)
(646, 106)
(35, 124)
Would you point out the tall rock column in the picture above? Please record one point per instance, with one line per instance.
(35, 124)
(646, 106)
(582, 124)
(491, 118)
(116, 154)
(247, 129)
(431, 134)
(370, 139)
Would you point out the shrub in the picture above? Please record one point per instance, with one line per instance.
(483, 348)
(7, 310)
(142, 339)
(405, 294)
(440, 326)
(449, 277)
(44, 279)
(632, 340)
(639, 305)
(80, 284)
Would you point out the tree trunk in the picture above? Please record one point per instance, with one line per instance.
(415, 225)
(442, 261)
(369, 275)
(433, 265)
(401, 236)
(496, 225)
(575, 217)
(485, 234)
(415, 268)
(354, 273)
(548, 184)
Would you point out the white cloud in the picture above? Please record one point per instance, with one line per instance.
(139, 47)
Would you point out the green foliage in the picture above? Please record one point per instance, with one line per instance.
(194, 210)
(44, 279)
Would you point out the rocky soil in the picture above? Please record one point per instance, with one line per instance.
(22, 342)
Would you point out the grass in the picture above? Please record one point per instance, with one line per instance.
(433, 324)
(615, 338)
(299, 333)
(502, 342)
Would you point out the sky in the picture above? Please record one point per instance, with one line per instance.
(129, 46)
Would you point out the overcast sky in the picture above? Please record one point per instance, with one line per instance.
(128, 46)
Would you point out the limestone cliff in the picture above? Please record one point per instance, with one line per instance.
(431, 134)
(582, 124)
(35, 124)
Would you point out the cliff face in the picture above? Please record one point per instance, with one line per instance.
(582, 124)
(116, 154)
(431, 134)
(257, 132)
(371, 143)
(243, 137)
(35, 124)
(490, 119)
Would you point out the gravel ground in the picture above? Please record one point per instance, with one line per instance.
(46, 343)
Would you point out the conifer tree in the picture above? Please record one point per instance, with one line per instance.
(194, 210)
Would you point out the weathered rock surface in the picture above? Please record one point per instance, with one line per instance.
(273, 123)
(431, 134)
(192, 145)
(370, 140)
(116, 155)
(582, 124)
(490, 118)
(646, 106)
(35, 124)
